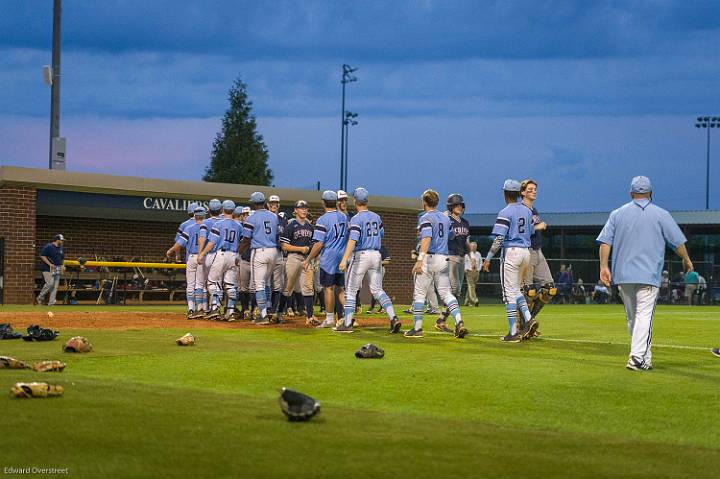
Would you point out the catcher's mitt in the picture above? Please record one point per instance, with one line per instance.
(36, 390)
(370, 351)
(298, 406)
(187, 340)
(6, 332)
(47, 366)
(35, 332)
(78, 344)
(7, 362)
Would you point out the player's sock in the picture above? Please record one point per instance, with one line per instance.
(299, 302)
(276, 301)
(261, 303)
(282, 303)
(418, 312)
(523, 307)
(244, 303)
(511, 311)
(231, 298)
(349, 310)
(454, 311)
(329, 318)
(386, 304)
(191, 301)
(206, 303)
(308, 306)
(198, 299)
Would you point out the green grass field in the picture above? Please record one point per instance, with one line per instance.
(560, 406)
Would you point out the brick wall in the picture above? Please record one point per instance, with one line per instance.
(17, 227)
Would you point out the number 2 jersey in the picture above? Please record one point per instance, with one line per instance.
(515, 224)
(331, 231)
(435, 225)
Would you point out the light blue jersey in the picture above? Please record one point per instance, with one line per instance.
(182, 226)
(367, 230)
(262, 229)
(227, 233)
(514, 223)
(188, 237)
(331, 231)
(637, 233)
(435, 225)
(207, 225)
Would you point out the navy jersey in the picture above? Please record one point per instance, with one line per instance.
(226, 234)
(536, 238)
(205, 228)
(514, 223)
(189, 237)
(366, 229)
(458, 244)
(55, 254)
(297, 234)
(262, 229)
(331, 230)
(435, 225)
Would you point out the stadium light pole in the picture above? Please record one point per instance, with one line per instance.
(707, 122)
(56, 147)
(347, 77)
(349, 121)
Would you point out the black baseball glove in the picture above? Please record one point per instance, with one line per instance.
(298, 406)
(6, 332)
(370, 351)
(40, 334)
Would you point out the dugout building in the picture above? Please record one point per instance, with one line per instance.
(126, 217)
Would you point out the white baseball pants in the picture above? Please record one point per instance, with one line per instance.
(514, 263)
(639, 301)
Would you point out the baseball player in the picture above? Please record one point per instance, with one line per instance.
(296, 240)
(225, 238)
(243, 279)
(538, 284)
(188, 238)
(342, 202)
(512, 231)
(260, 233)
(191, 213)
(457, 247)
(637, 233)
(330, 236)
(432, 266)
(278, 274)
(215, 206)
(362, 256)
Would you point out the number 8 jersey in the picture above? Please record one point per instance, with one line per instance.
(514, 223)
(262, 229)
(435, 225)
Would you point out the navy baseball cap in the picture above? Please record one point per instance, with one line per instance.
(361, 194)
(228, 205)
(511, 185)
(257, 197)
(199, 211)
(215, 205)
(301, 204)
(329, 195)
(191, 207)
(640, 184)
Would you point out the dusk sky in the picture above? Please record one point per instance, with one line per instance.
(454, 95)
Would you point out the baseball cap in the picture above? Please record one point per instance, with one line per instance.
(246, 210)
(274, 199)
(640, 184)
(281, 214)
(58, 237)
(341, 195)
(191, 207)
(301, 204)
(361, 194)
(215, 205)
(228, 205)
(238, 210)
(511, 185)
(199, 211)
(257, 197)
(329, 195)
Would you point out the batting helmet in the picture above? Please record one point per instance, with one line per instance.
(455, 200)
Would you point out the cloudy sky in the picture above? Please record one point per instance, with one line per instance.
(454, 95)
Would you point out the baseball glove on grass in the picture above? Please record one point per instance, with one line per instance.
(35, 332)
(297, 406)
(36, 390)
(7, 362)
(49, 366)
(370, 351)
(187, 340)
(7, 332)
(78, 344)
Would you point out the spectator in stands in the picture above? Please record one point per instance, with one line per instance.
(664, 294)
(691, 285)
(702, 289)
(601, 293)
(579, 292)
(564, 284)
(678, 286)
(52, 267)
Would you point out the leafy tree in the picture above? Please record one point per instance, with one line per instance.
(239, 153)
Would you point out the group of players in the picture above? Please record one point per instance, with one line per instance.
(255, 256)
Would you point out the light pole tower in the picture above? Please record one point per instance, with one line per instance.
(350, 120)
(57, 144)
(707, 122)
(347, 77)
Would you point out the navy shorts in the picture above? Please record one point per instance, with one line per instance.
(335, 279)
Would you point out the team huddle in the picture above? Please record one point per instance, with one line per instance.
(256, 257)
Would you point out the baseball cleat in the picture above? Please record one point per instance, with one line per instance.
(214, 314)
(460, 330)
(395, 325)
(312, 322)
(432, 311)
(278, 319)
(408, 311)
(369, 311)
(529, 329)
(326, 324)
(441, 325)
(413, 333)
(260, 321)
(190, 314)
(716, 351)
(637, 364)
(511, 338)
(355, 324)
(342, 328)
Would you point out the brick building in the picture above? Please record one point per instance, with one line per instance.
(120, 216)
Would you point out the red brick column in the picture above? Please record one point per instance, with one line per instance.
(400, 232)
(17, 227)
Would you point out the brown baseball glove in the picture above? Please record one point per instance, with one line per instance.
(7, 362)
(48, 366)
(187, 340)
(36, 390)
(78, 344)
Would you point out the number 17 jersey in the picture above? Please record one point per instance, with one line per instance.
(331, 230)
(514, 223)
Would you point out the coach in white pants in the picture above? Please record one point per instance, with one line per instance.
(637, 233)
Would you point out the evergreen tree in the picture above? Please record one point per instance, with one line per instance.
(239, 154)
